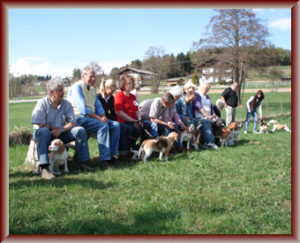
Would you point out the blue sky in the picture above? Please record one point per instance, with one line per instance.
(55, 41)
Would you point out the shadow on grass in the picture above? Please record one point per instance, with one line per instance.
(150, 221)
(61, 182)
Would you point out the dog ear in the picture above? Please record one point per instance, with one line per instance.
(61, 148)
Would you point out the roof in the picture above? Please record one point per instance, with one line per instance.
(134, 70)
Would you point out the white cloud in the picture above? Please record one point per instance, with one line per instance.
(283, 24)
(40, 66)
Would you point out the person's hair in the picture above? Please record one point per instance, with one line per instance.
(262, 96)
(189, 84)
(124, 79)
(109, 83)
(176, 91)
(86, 70)
(53, 83)
(167, 97)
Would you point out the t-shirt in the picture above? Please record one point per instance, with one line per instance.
(230, 97)
(127, 104)
(153, 108)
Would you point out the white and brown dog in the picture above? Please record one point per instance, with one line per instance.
(235, 130)
(162, 144)
(189, 136)
(225, 136)
(263, 127)
(277, 126)
(58, 157)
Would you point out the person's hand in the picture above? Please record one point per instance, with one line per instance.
(171, 125)
(103, 119)
(249, 111)
(56, 132)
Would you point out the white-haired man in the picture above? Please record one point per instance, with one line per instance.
(55, 118)
(90, 114)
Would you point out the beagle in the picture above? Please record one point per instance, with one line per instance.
(58, 156)
(263, 127)
(161, 144)
(235, 130)
(189, 136)
(277, 126)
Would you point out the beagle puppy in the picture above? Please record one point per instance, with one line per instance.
(189, 136)
(277, 126)
(263, 127)
(235, 130)
(58, 156)
(161, 144)
(225, 136)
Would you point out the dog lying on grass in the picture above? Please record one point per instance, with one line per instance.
(162, 144)
(277, 126)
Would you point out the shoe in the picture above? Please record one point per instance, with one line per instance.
(230, 143)
(83, 167)
(255, 132)
(46, 175)
(115, 160)
(245, 132)
(104, 165)
(212, 146)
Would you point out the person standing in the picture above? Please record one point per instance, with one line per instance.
(253, 103)
(54, 117)
(90, 114)
(230, 97)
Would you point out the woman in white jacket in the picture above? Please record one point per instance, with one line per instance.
(253, 103)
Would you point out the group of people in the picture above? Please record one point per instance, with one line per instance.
(120, 122)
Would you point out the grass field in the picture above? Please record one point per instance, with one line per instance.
(245, 189)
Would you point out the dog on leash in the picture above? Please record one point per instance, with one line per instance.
(162, 144)
(189, 136)
(58, 157)
(235, 130)
(277, 126)
(264, 128)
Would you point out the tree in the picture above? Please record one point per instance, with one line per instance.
(153, 62)
(240, 32)
(114, 73)
(136, 64)
(76, 75)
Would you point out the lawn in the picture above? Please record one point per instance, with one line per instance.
(245, 189)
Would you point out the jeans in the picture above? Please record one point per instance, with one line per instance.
(230, 114)
(206, 129)
(123, 142)
(44, 138)
(248, 116)
(108, 135)
(156, 128)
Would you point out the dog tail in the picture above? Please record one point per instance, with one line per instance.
(140, 150)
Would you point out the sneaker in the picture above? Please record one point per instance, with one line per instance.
(115, 160)
(83, 167)
(212, 146)
(104, 165)
(255, 132)
(245, 132)
(46, 175)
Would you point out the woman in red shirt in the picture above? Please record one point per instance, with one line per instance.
(126, 108)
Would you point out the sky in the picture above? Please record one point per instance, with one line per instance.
(55, 41)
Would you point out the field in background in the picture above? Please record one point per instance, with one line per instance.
(245, 189)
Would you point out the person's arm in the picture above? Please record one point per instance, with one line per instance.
(260, 111)
(248, 103)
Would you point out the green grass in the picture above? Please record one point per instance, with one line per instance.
(262, 74)
(244, 189)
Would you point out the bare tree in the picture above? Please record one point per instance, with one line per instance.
(153, 62)
(241, 33)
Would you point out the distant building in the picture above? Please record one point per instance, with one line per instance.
(212, 71)
(143, 77)
(174, 81)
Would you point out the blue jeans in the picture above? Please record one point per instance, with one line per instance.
(123, 143)
(248, 117)
(43, 138)
(206, 129)
(156, 128)
(108, 135)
